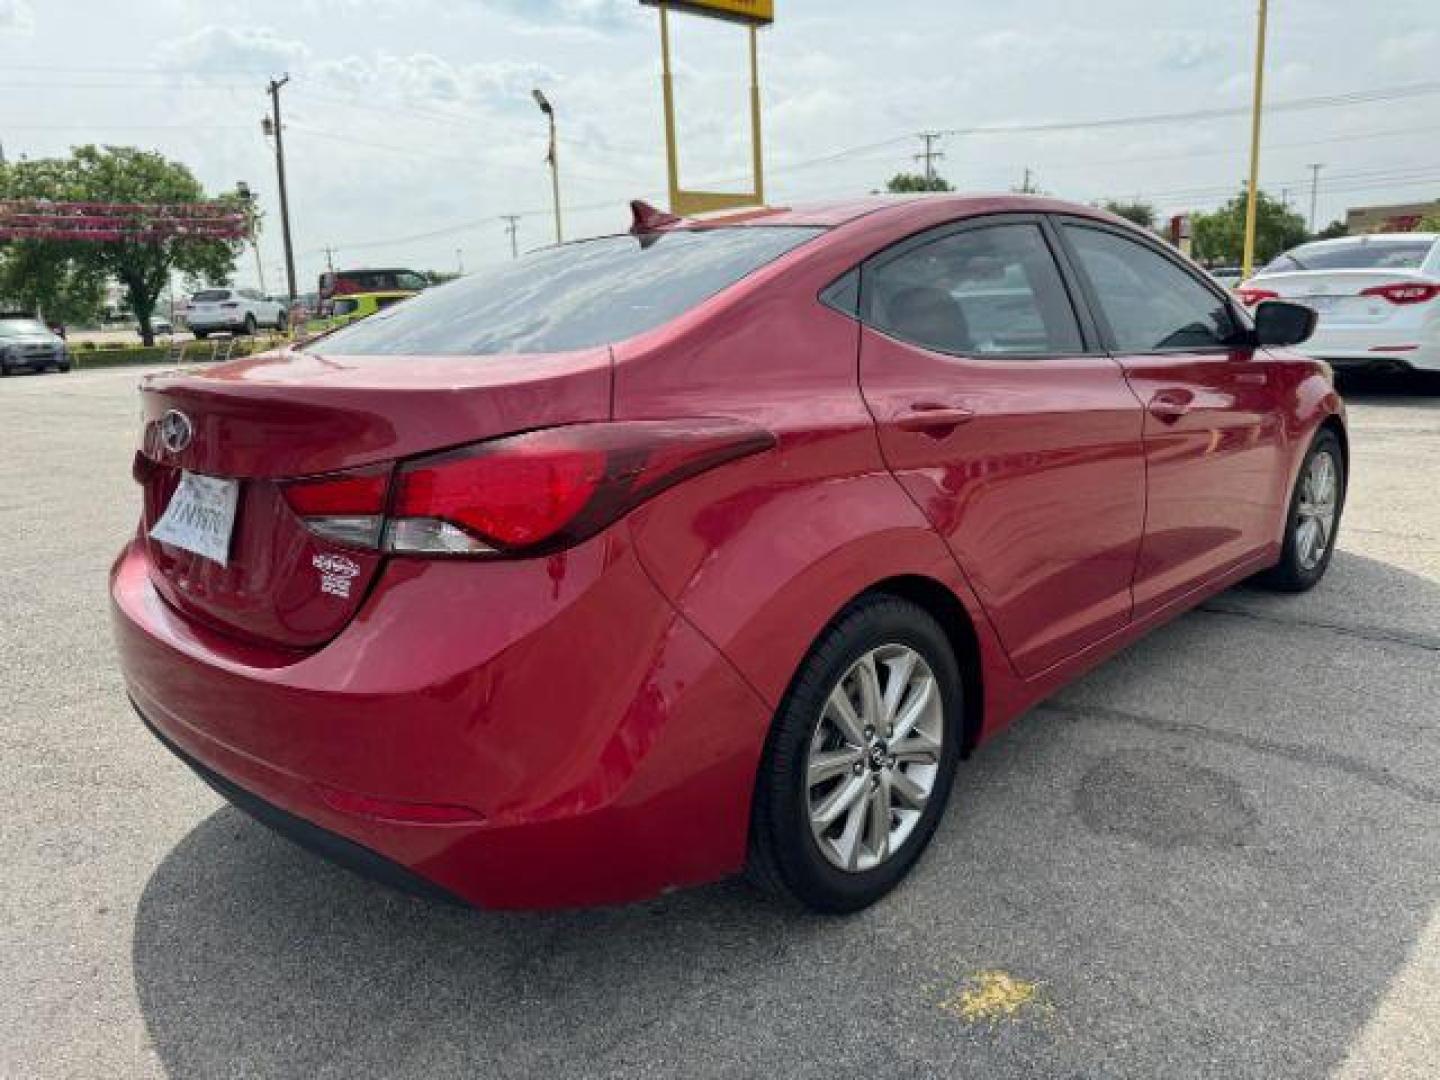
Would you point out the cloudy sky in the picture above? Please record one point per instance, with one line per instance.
(410, 129)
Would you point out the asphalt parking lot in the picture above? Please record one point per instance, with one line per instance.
(1218, 855)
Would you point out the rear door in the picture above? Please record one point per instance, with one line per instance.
(1010, 427)
(1213, 427)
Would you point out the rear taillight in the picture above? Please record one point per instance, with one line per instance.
(1251, 297)
(348, 507)
(519, 495)
(1405, 292)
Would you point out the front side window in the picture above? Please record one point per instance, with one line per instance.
(1151, 304)
(576, 296)
(993, 290)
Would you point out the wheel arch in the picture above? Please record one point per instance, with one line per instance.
(940, 602)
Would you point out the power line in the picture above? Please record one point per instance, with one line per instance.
(1359, 97)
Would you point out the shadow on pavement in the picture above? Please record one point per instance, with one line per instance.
(1409, 389)
(1193, 854)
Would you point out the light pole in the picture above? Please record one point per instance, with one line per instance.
(1314, 186)
(1247, 263)
(553, 159)
(248, 197)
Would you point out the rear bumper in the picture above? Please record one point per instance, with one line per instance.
(1412, 345)
(607, 751)
(326, 844)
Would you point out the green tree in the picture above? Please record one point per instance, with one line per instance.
(1429, 223)
(49, 282)
(124, 175)
(904, 183)
(1141, 213)
(1333, 231)
(1219, 237)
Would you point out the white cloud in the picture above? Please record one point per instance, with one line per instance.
(228, 49)
(567, 14)
(424, 78)
(16, 17)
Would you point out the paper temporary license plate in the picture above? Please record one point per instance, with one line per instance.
(1319, 303)
(200, 517)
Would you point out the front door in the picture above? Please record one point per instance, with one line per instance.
(1213, 425)
(1018, 439)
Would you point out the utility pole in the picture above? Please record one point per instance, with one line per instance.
(1252, 198)
(512, 226)
(275, 125)
(460, 261)
(1026, 187)
(1314, 187)
(330, 259)
(929, 155)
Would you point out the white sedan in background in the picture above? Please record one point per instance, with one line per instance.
(233, 311)
(1378, 298)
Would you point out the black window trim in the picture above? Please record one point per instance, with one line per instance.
(1091, 341)
(1092, 300)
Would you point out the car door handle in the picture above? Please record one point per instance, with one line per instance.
(1170, 405)
(933, 418)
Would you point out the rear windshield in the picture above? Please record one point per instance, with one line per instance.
(1357, 254)
(209, 296)
(573, 297)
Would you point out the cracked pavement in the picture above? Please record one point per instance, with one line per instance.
(1214, 856)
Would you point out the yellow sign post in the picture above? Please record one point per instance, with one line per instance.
(753, 14)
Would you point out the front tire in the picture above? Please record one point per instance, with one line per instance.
(860, 760)
(1313, 518)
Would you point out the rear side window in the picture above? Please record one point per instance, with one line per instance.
(575, 296)
(987, 291)
(1150, 303)
(1362, 253)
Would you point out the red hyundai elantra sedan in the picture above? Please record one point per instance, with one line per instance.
(647, 559)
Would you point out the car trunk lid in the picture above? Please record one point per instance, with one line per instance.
(1339, 296)
(283, 416)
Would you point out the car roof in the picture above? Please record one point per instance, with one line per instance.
(842, 211)
(1378, 238)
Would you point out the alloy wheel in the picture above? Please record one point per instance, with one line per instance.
(1316, 509)
(874, 757)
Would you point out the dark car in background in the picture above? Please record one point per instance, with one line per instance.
(27, 344)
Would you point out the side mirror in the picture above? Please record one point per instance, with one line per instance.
(1278, 322)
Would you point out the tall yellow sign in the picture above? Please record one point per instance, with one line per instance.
(757, 12)
(753, 13)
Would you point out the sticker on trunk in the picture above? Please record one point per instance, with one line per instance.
(200, 516)
(337, 574)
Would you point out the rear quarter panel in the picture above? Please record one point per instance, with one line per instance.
(760, 554)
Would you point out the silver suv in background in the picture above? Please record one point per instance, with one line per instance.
(234, 311)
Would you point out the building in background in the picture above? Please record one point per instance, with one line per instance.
(1403, 217)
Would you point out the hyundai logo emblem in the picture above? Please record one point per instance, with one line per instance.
(176, 431)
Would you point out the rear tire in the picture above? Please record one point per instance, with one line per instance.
(842, 866)
(201, 335)
(1305, 556)
(250, 325)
